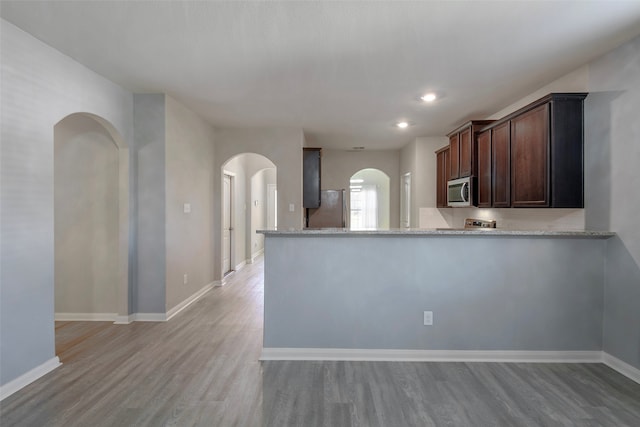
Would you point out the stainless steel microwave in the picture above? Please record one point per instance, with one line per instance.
(459, 192)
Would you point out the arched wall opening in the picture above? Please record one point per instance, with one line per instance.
(369, 199)
(248, 193)
(91, 220)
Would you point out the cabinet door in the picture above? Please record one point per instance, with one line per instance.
(454, 156)
(484, 169)
(501, 165)
(466, 153)
(311, 177)
(442, 176)
(530, 158)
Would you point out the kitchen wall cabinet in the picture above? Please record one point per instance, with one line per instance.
(547, 150)
(501, 165)
(494, 171)
(484, 196)
(462, 149)
(530, 158)
(536, 155)
(454, 156)
(466, 153)
(311, 173)
(442, 176)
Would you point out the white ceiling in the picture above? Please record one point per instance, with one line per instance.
(345, 72)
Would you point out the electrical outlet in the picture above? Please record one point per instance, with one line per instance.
(428, 318)
(186, 278)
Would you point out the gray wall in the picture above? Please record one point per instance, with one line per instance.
(86, 217)
(189, 179)
(612, 196)
(174, 149)
(529, 294)
(39, 86)
(149, 121)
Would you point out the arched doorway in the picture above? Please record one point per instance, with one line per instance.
(91, 220)
(369, 200)
(248, 193)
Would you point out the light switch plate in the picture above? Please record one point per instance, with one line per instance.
(428, 318)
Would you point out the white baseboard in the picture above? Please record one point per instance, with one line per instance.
(124, 320)
(430, 355)
(111, 317)
(24, 380)
(187, 302)
(163, 317)
(223, 281)
(333, 354)
(256, 255)
(623, 367)
(149, 317)
(86, 317)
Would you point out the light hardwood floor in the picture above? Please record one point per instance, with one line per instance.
(201, 369)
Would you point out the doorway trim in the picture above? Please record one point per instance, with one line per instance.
(232, 177)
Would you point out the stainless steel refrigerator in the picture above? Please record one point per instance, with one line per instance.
(332, 212)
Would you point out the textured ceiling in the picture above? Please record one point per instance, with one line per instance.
(342, 71)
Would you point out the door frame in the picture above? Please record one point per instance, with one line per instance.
(232, 245)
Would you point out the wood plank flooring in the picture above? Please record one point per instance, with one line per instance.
(201, 369)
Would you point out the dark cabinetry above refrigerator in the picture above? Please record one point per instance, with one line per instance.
(311, 172)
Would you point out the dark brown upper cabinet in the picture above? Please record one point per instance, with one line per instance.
(466, 153)
(311, 172)
(530, 158)
(547, 152)
(483, 142)
(454, 156)
(462, 149)
(494, 171)
(501, 165)
(442, 176)
(536, 155)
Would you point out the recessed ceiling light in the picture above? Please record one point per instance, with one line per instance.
(402, 125)
(428, 97)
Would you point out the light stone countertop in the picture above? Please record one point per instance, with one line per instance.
(590, 234)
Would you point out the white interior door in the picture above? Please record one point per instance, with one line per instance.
(227, 229)
(405, 202)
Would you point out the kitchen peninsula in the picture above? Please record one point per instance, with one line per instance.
(493, 294)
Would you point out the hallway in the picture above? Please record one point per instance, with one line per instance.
(201, 369)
